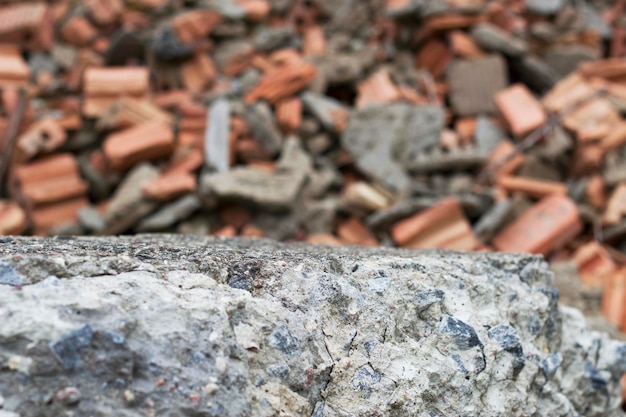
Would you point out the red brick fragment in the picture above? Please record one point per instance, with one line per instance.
(444, 225)
(464, 46)
(43, 136)
(79, 32)
(546, 226)
(144, 142)
(614, 298)
(616, 207)
(48, 216)
(198, 73)
(104, 86)
(256, 10)
(323, 239)
(14, 72)
(289, 114)
(531, 186)
(195, 25)
(12, 218)
(377, 89)
(169, 186)
(434, 56)
(282, 83)
(594, 264)
(105, 12)
(313, 41)
(521, 110)
(353, 232)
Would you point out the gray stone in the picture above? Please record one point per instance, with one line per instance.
(91, 219)
(535, 72)
(271, 190)
(493, 220)
(170, 214)
(322, 108)
(456, 160)
(544, 7)
(385, 139)
(128, 203)
(294, 159)
(566, 58)
(217, 137)
(594, 21)
(319, 216)
(263, 127)
(492, 38)
(255, 328)
(473, 84)
(488, 134)
(269, 39)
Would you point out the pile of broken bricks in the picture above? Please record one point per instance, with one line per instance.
(461, 124)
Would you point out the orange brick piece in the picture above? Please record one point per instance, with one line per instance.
(282, 83)
(103, 86)
(169, 186)
(614, 298)
(354, 232)
(594, 264)
(12, 218)
(616, 207)
(43, 136)
(531, 186)
(521, 109)
(546, 226)
(442, 226)
(139, 143)
(14, 72)
(377, 89)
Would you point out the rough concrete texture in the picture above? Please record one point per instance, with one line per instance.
(181, 326)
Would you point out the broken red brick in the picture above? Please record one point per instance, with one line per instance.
(434, 56)
(444, 225)
(12, 218)
(504, 159)
(46, 217)
(521, 110)
(169, 186)
(23, 23)
(144, 142)
(235, 215)
(104, 86)
(531, 186)
(546, 226)
(289, 114)
(313, 42)
(615, 138)
(614, 298)
(79, 32)
(13, 69)
(189, 161)
(226, 231)
(616, 206)
(256, 10)
(464, 46)
(595, 192)
(195, 25)
(283, 83)
(105, 12)
(377, 89)
(250, 230)
(323, 239)
(43, 136)
(198, 73)
(612, 69)
(594, 264)
(353, 232)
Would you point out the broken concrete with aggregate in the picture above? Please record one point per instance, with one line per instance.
(184, 326)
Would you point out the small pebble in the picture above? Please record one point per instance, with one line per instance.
(68, 396)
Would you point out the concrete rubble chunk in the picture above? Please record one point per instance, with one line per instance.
(263, 126)
(474, 82)
(216, 141)
(170, 214)
(272, 190)
(173, 325)
(385, 139)
(492, 38)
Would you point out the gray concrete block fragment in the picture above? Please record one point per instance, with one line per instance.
(473, 84)
(179, 325)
